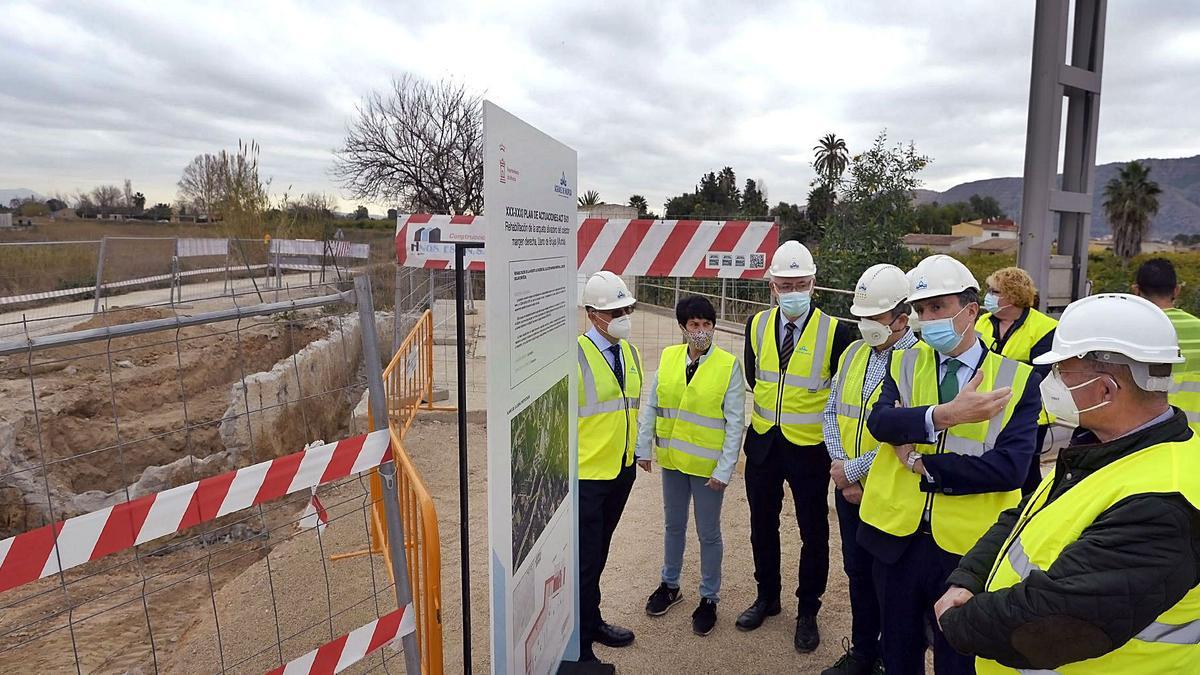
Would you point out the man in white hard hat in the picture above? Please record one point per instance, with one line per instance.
(1097, 571)
(879, 303)
(792, 352)
(959, 424)
(610, 386)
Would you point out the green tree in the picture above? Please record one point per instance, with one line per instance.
(589, 198)
(754, 202)
(985, 207)
(792, 223)
(138, 202)
(821, 199)
(873, 213)
(831, 158)
(361, 213)
(1130, 200)
(639, 202)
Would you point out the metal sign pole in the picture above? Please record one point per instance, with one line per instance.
(460, 317)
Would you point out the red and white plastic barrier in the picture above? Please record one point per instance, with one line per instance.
(68, 543)
(352, 647)
(728, 249)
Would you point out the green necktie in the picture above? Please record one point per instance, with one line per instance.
(948, 388)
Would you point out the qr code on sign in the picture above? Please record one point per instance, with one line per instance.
(758, 261)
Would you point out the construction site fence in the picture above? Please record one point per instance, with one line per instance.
(172, 493)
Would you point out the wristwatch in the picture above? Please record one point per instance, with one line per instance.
(911, 460)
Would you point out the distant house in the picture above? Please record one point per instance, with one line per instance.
(937, 243)
(6, 220)
(603, 210)
(994, 246)
(986, 228)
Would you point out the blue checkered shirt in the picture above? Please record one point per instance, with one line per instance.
(877, 365)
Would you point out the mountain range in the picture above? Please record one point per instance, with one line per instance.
(1178, 205)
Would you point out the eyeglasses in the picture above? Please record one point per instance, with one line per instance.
(618, 312)
(793, 286)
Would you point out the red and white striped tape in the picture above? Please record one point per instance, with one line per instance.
(68, 543)
(728, 249)
(352, 647)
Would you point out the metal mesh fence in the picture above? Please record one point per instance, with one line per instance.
(158, 509)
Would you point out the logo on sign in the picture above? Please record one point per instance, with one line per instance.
(503, 171)
(562, 188)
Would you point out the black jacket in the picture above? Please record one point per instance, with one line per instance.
(758, 446)
(1138, 559)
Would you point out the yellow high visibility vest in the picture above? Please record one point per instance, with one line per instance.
(894, 503)
(689, 431)
(607, 428)
(853, 406)
(795, 407)
(1171, 644)
(1020, 344)
(1186, 394)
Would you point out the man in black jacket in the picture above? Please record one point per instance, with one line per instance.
(1097, 570)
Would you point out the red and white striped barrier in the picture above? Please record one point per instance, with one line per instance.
(68, 543)
(352, 647)
(728, 249)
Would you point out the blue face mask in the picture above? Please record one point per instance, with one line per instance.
(940, 333)
(991, 302)
(795, 304)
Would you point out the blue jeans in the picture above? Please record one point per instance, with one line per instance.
(678, 490)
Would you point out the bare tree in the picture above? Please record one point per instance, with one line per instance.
(200, 185)
(127, 194)
(419, 145)
(107, 196)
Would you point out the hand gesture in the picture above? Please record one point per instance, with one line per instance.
(971, 405)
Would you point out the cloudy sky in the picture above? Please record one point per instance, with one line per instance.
(651, 94)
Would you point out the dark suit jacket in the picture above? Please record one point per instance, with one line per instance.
(758, 446)
(1001, 469)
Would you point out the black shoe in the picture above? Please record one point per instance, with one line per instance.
(878, 669)
(613, 636)
(705, 617)
(851, 663)
(757, 613)
(662, 599)
(807, 636)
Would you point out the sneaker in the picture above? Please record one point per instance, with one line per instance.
(705, 617)
(851, 663)
(663, 599)
(807, 636)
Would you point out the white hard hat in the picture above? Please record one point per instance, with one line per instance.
(914, 321)
(1116, 323)
(879, 290)
(792, 259)
(605, 290)
(939, 275)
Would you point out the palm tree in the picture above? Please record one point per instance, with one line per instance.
(590, 198)
(1130, 200)
(831, 158)
(639, 202)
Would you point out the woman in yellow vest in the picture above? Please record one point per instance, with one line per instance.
(1015, 329)
(694, 417)
(1097, 570)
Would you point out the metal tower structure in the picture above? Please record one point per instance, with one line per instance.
(1061, 278)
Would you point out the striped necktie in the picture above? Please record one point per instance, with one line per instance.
(789, 344)
(618, 370)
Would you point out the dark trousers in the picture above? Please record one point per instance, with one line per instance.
(1034, 477)
(858, 563)
(806, 471)
(601, 503)
(907, 591)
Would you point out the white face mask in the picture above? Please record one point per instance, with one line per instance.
(621, 327)
(873, 332)
(1060, 402)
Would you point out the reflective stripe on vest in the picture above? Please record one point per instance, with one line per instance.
(895, 503)
(1171, 643)
(853, 403)
(794, 399)
(690, 424)
(607, 425)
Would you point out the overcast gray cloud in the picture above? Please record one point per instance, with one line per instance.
(650, 94)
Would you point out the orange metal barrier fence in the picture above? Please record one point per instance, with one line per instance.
(408, 381)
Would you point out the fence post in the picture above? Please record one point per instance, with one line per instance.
(387, 471)
(676, 292)
(724, 294)
(396, 313)
(99, 274)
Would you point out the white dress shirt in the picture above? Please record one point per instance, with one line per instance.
(970, 360)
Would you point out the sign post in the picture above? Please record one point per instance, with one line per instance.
(529, 200)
